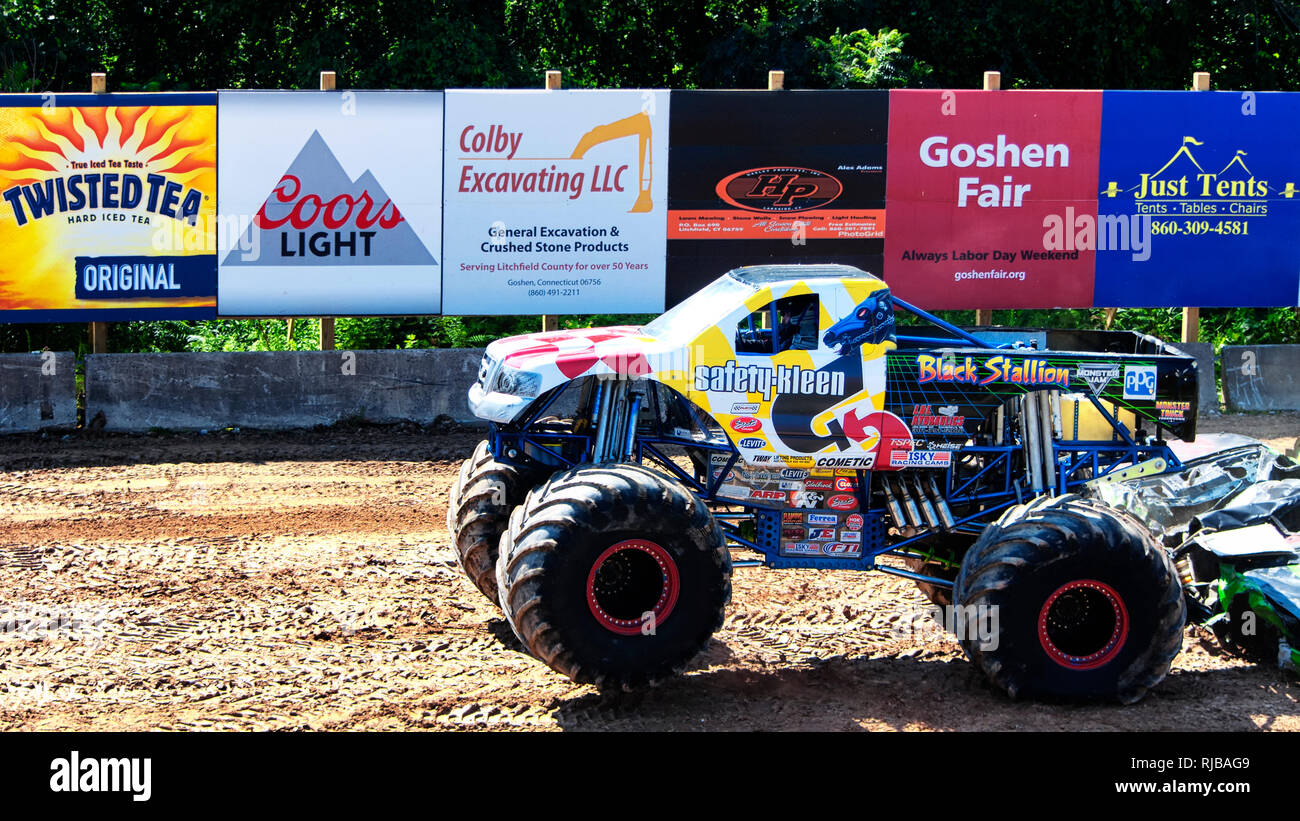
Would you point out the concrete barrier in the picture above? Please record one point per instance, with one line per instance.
(1207, 387)
(37, 390)
(278, 390)
(1261, 377)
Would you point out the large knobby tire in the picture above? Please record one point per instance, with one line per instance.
(478, 511)
(1088, 606)
(614, 575)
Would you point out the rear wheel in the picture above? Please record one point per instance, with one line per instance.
(478, 510)
(1078, 601)
(614, 575)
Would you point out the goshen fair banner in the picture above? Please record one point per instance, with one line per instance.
(108, 207)
(556, 202)
(981, 188)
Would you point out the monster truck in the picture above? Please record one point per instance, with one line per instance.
(784, 415)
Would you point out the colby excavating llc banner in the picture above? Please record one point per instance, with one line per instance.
(556, 201)
(336, 199)
(109, 205)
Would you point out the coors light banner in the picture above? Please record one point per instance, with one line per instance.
(336, 202)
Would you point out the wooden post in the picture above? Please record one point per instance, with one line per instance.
(1192, 316)
(99, 330)
(776, 81)
(328, 82)
(992, 82)
(554, 82)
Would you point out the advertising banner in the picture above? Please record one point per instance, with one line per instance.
(555, 201)
(760, 177)
(1203, 186)
(336, 202)
(107, 207)
(985, 190)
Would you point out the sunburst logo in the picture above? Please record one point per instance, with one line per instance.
(84, 191)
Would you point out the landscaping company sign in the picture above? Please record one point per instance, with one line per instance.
(336, 202)
(555, 201)
(107, 207)
(984, 189)
(1212, 177)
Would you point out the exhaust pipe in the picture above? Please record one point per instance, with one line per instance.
(891, 501)
(1045, 441)
(913, 514)
(931, 518)
(1030, 433)
(946, 520)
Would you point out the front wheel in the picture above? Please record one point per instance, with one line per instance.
(1077, 601)
(614, 575)
(477, 512)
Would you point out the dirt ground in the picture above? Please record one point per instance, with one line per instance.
(253, 581)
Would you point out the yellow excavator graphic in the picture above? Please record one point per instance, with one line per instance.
(638, 124)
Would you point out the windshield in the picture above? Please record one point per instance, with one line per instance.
(689, 318)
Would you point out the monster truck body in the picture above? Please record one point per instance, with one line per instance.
(819, 432)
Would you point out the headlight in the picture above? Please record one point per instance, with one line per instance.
(518, 383)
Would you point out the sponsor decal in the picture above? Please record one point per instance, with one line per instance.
(805, 498)
(863, 462)
(818, 484)
(793, 533)
(943, 420)
(850, 535)
(745, 424)
(794, 473)
(822, 518)
(853, 522)
(744, 408)
(784, 189)
(998, 369)
(784, 379)
(1139, 381)
(842, 502)
(763, 458)
(1097, 375)
(786, 484)
(845, 484)
(792, 518)
(841, 550)
(719, 458)
(767, 495)
(821, 534)
(1173, 411)
(750, 441)
(801, 549)
(921, 459)
(796, 461)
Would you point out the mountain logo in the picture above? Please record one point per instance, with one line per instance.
(317, 215)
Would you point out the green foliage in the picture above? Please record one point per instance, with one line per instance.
(861, 59)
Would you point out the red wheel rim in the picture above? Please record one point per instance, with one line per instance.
(1083, 624)
(629, 580)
